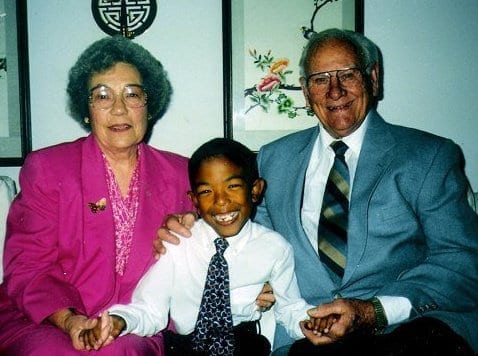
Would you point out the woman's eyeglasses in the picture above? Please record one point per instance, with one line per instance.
(103, 97)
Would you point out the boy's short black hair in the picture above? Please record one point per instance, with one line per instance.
(233, 151)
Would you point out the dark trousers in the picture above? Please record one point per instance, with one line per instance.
(247, 342)
(423, 336)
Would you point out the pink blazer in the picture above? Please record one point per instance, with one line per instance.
(59, 253)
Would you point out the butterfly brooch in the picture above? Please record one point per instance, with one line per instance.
(100, 205)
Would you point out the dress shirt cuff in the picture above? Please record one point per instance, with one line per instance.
(397, 309)
(128, 323)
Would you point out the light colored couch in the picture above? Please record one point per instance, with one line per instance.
(7, 193)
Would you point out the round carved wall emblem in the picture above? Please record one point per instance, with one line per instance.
(129, 18)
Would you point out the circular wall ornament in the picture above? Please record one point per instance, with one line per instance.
(129, 18)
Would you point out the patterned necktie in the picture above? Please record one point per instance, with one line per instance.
(213, 333)
(332, 234)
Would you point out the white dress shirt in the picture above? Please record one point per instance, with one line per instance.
(320, 163)
(396, 309)
(175, 283)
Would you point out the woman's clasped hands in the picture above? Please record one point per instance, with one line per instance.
(99, 332)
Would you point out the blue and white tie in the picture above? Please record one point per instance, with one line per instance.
(213, 333)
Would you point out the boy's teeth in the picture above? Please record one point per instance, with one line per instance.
(226, 217)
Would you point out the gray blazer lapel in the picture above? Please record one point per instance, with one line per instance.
(283, 164)
(300, 165)
(375, 156)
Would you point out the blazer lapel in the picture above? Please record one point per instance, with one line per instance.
(98, 223)
(300, 164)
(375, 157)
(153, 195)
(304, 249)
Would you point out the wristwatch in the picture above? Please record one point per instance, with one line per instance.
(380, 318)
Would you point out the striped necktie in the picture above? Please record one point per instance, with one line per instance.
(332, 232)
(213, 333)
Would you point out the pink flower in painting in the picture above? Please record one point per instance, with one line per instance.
(279, 65)
(267, 83)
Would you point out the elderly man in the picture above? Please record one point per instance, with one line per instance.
(385, 245)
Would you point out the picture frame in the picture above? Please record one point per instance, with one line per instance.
(15, 136)
(262, 44)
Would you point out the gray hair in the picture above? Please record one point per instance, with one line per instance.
(104, 54)
(366, 51)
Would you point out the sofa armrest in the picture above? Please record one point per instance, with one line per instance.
(7, 193)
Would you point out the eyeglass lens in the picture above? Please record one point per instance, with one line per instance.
(103, 97)
(346, 77)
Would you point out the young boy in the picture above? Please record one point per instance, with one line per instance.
(225, 186)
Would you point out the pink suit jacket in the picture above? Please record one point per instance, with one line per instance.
(59, 253)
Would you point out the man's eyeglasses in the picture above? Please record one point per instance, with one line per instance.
(103, 97)
(347, 77)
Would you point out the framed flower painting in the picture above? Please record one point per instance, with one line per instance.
(263, 41)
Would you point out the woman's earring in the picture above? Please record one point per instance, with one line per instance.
(86, 120)
(149, 117)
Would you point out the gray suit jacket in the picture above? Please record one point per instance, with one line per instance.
(411, 230)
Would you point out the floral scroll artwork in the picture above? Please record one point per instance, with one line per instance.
(265, 44)
(272, 89)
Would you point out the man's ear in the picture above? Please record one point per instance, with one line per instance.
(257, 189)
(305, 91)
(375, 78)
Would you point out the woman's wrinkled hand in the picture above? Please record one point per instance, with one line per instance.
(100, 335)
(75, 326)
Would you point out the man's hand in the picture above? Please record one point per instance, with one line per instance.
(178, 223)
(333, 321)
(266, 299)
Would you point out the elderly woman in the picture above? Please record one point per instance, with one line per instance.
(79, 234)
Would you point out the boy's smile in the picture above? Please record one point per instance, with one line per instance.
(221, 195)
(226, 218)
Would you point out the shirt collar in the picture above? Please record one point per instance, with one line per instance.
(236, 242)
(354, 140)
